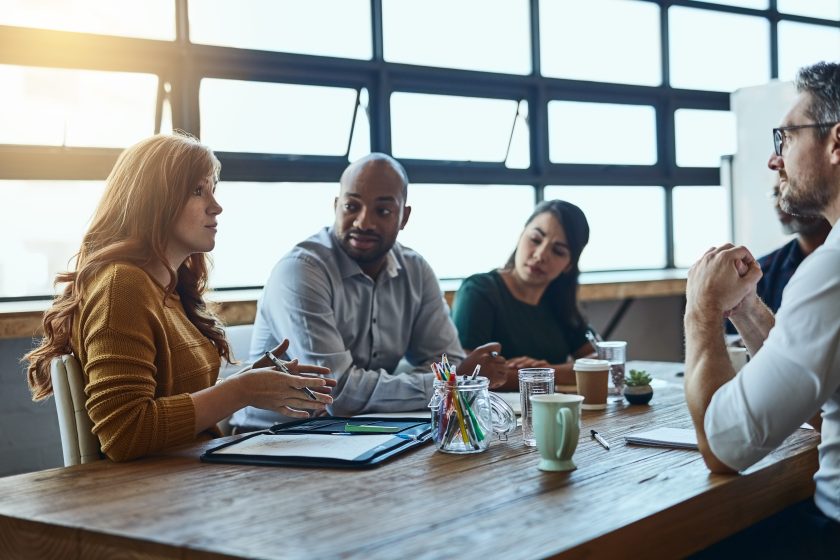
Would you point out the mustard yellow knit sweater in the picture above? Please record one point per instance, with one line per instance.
(141, 360)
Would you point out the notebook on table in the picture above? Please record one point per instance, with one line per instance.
(680, 438)
(326, 442)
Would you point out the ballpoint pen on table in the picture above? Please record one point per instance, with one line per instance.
(282, 367)
(600, 439)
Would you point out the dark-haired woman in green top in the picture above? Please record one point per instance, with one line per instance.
(530, 305)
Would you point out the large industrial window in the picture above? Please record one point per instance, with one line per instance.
(621, 106)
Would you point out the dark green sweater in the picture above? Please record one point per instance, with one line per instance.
(485, 311)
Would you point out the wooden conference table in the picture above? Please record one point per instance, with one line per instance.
(630, 501)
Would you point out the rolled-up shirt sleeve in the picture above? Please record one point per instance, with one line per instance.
(432, 332)
(786, 382)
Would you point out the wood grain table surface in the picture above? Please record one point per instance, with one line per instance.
(628, 502)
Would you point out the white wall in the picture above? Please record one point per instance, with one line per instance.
(757, 111)
(652, 327)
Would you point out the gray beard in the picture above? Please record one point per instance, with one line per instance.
(802, 226)
(805, 202)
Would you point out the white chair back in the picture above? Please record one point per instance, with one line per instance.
(239, 338)
(78, 443)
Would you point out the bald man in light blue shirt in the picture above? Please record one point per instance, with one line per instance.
(353, 299)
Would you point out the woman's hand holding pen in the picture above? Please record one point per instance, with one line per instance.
(264, 386)
(492, 364)
(274, 390)
(527, 362)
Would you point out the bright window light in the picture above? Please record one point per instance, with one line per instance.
(825, 9)
(239, 116)
(57, 107)
(488, 35)
(321, 27)
(261, 222)
(801, 44)
(150, 19)
(38, 244)
(447, 225)
(703, 137)
(754, 4)
(626, 225)
(736, 54)
(701, 220)
(451, 128)
(623, 48)
(577, 133)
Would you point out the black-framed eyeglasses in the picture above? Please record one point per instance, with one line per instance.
(779, 137)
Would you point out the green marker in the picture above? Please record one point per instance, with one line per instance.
(371, 429)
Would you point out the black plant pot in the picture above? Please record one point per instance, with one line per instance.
(638, 395)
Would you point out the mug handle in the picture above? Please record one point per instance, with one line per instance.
(564, 420)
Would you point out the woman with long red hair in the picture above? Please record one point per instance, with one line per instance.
(133, 312)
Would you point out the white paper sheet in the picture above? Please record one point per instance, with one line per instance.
(307, 445)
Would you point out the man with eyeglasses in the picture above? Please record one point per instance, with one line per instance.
(795, 365)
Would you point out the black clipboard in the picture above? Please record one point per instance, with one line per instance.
(405, 433)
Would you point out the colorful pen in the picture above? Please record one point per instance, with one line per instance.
(371, 429)
(282, 367)
(600, 439)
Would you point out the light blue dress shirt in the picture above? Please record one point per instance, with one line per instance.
(336, 316)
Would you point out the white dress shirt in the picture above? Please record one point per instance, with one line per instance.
(795, 372)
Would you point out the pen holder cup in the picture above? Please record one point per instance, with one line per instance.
(465, 415)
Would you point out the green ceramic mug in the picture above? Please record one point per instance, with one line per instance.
(557, 429)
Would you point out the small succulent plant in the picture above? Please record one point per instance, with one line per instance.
(637, 378)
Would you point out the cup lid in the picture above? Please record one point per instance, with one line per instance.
(590, 364)
(556, 398)
(612, 343)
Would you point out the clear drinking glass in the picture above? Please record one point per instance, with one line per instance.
(615, 352)
(533, 381)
